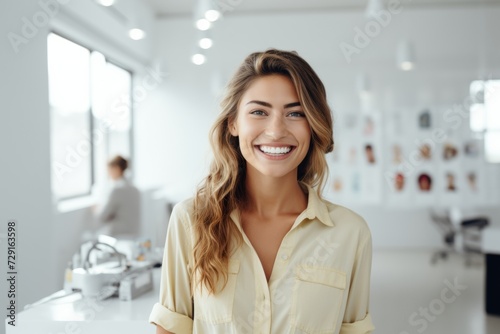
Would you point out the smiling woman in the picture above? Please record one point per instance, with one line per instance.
(258, 248)
(271, 127)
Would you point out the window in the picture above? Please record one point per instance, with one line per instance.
(485, 115)
(91, 116)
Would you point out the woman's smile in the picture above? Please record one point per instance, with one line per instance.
(272, 128)
(275, 152)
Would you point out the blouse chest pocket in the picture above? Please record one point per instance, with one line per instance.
(318, 294)
(217, 308)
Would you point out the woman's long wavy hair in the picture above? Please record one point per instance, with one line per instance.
(223, 190)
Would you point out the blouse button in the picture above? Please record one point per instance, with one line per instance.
(284, 257)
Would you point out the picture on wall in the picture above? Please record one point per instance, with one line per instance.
(397, 154)
(399, 182)
(471, 149)
(450, 182)
(425, 152)
(370, 154)
(337, 184)
(356, 169)
(424, 119)
(424, 182)
(450, 151)
(472, 181)
(368, 126)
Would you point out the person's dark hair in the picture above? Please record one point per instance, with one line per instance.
(119, 162)
(424, 177)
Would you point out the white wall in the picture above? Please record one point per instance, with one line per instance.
(453, 47)
(46, 238)
(24, 144)
(173, 118)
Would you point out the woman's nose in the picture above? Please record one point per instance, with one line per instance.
(276, 127)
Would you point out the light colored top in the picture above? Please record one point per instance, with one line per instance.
(121, 213)
(320, 282)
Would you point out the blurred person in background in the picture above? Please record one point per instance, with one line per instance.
(120, 215)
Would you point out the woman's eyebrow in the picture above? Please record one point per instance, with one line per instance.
(293, 104)
(269, 105)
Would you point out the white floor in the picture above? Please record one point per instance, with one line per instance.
(410, 295)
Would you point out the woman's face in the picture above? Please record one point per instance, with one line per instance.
(272, 128)
(115, 172)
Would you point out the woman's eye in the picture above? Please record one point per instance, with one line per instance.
(296, 114)
(258, 112)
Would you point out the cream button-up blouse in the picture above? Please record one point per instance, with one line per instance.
(320, 282)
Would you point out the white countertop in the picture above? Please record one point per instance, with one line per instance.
(74, 314)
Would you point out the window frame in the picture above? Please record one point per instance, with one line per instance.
(93, 122)
(486, 130)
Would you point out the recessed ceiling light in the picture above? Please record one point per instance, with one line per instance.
(198, 59)
(406, 66)
(203, 24)
(405, 56)
(106, 3)
(136, 34)
(205, 43)
(212, 15)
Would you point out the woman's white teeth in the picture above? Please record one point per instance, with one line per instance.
(275, 150)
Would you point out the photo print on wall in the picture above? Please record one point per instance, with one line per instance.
(399, 182)
(471, 148)
(450, 181)
(370, 154)
(450, 151)
(424, 119)
(397, 154)
(424, 182)
(472, 181)
(425, 152)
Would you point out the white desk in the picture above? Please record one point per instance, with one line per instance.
(73, 314)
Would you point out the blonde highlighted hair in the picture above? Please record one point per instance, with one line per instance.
(223, 190)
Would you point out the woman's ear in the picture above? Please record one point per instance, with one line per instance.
(232, 129)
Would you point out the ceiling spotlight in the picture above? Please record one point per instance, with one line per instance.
(203, 24)
(212, 15)
(373, 9)
(106, 3)
(205, 43)
(406, 66)
(136, 34)
(405, 56)
(198, 59)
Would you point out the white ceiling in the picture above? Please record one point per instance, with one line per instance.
(185, 7)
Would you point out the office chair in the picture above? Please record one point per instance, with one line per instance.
(445, 225)
(470, 230)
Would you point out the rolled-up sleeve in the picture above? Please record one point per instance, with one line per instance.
(174, 311)
(357, 319)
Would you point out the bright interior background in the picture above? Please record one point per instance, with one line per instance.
(455, 43)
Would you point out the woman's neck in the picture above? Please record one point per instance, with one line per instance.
(269, 196)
